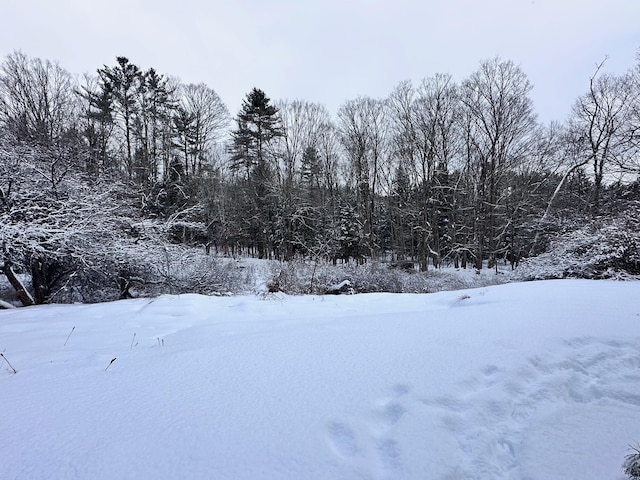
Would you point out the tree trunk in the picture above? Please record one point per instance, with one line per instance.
(21, 292)
(40, 276)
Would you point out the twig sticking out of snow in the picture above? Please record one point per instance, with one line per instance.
(68, 336)
(112, 360)
(133, 340)
(8, 363)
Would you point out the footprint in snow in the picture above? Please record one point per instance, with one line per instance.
(585, 372)
(400, 390)
(342, 440)
(390, 411)
(378, 438)
(387, 415)
(389, 454)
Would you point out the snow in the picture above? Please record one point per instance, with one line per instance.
(533, 380)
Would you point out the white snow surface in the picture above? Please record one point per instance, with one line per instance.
(536, 380)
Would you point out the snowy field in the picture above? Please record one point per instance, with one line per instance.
(522, 381)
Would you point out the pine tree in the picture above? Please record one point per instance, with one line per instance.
(156, 105)
(351, 237)
(310, 171)
(98, 126)
(183, 123)
(258, 124)
(123, 81)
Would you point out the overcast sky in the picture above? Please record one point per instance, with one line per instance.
(330, 51)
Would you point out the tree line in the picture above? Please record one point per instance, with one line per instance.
(438, 172)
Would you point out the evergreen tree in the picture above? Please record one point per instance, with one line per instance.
(257, 125)
(123, 81)
(351, 237)
(156, 104)
(311, 170)
(98, 125)
(184, 125)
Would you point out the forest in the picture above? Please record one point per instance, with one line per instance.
(127, 182)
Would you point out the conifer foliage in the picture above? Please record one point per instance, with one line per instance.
(257, 125)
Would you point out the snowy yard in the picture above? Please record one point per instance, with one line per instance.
(536, 380)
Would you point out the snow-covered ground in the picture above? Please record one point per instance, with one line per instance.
(530, 381)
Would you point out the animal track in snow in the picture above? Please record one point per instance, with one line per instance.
(400, 390)
(490, 370)
(342, 439)
(388, 415)
(583, 372)
(488, 415)
(389, 411)
(376, 445)
(389, 454)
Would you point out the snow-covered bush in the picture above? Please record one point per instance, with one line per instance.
(71, 238)
(179, 269)
(299, 277)
(608, 247)
(369, 277)
(55, 224)
(631, 464)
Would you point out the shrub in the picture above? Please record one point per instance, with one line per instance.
(605, 248)
(300, 277)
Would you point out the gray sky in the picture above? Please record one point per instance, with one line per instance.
(330, 51)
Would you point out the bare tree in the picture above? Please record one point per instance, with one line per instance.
(208, 117)
(36, 98)
(601, 120)
(632, 162)
(426, 139)
(364, 133)
(499, 123)
(299, 172)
